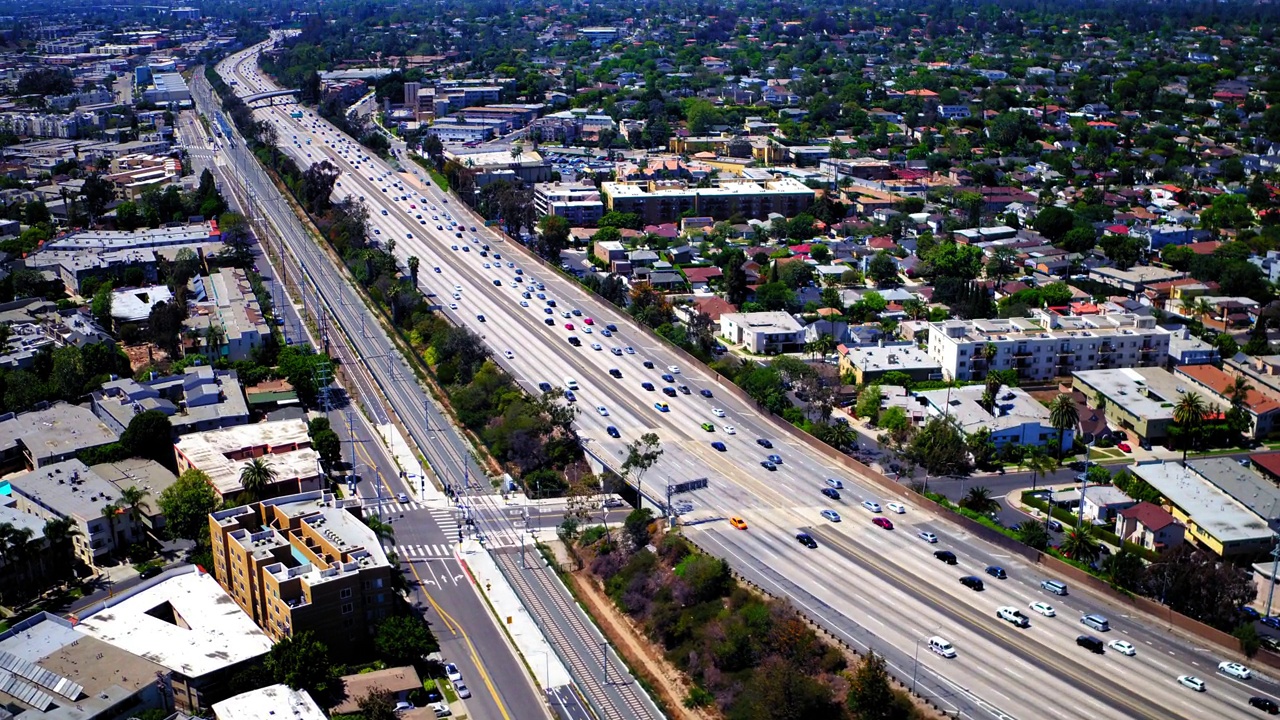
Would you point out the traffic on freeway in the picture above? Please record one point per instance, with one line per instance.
(812, 530)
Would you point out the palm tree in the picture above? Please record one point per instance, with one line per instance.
(1039, 463)
(1201, 307)
(824, 345)
(383, 531)
(1063, 414)
(979, 500)
(914, 308)
(1238, 415)
(1032, 533)
(133, 501)
(60, 532)
(413, 269)
(516, 152)
(1190, 411)
(1079, 545)
(110, 511)
(14, 545)
(843, 436)
(256, 476)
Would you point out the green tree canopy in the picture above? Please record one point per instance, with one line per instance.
(186, 505)
(404, 640)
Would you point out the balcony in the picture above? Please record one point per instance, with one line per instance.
(1022, 352)
(1106, 348)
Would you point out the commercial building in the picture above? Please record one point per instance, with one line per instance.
(273, 701)
(71, 490)
(1214, 520)
(303, 563)
(666, 201)
(167, 88)
(50, 435)
(1015, 418)
(870, 363)
(93, 241)
(1135, 279)
(767, 333)
(1150, 526)
(1045, 345)
(223, 454)
(490, 166)
(1138, 400)
(199, 399)
(579, 204)
(226, 316)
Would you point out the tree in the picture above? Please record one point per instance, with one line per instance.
(404, 640)
(1237, 416)
(1200, 586)
(257, 476)
(868, 405)
(302, 662)
(871, 695)
(735, 278)
(979, 500)
(97, 193)
(1250, 642)
(1003, 262)
(553, 236)
(1189, 414)
(1080, 545)
(186, 505)
(133, 502)
(883, 268)
(1063, 415)
(1123, 250)
(150, 435)
(1123, 568)
(642, 454)
(939, 448)
(1039, 463)
(1032, 533)
(377, 704)
(101, 305)
(951, 259)
(776, 296)
(1227, 211)
(69, 374)
(637, 525)
(1053, 222)
(413, 269)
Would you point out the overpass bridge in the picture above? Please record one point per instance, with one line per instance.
(269, 96)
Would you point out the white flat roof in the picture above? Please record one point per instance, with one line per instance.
(269, 702)
(1219, 514)
(215, 633)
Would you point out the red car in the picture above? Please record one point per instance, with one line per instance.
(588, 321)
(1125, 447)
(568, 326)
(883, 522)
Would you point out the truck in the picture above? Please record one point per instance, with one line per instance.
(296, 114)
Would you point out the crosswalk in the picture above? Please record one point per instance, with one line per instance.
(391, 505)
(409, 552)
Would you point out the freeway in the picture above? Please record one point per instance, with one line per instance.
(868, 585)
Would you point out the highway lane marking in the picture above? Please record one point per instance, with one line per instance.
(1011, 672)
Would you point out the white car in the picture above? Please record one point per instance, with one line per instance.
(898, 508)
(927, 536)
(1235, 670)
(453, 306)
(524, 303)
(629, 350)
(1043, 608)
(604, 411)
(596, 346)
(1124, 648)
(673, 369)
(717, 412)
(463, 691)
(871, 505)
(730, 430)
(1192, 682)
(451, 671)
(510, 355)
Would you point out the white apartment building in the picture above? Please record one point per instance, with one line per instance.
(1046, 345)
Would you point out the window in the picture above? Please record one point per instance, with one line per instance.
(345, 594)
(347, 608)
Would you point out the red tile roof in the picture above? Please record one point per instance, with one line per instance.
(1152, 517)
(1267, 461)
(715, 307)
(702, 274)
(1220, 382)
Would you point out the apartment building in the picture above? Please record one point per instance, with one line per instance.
(666, 201)
(302, 563)
(1046, 345)
(222, 454)
(577, 203)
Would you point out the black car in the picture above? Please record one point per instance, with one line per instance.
(544, 386)
(705, 393)
(831, 493)
(997, 572)
(648, 364)
(615, 372)
(762, 442)
(611, 327)
(949, 558)
(669, 391)
(719, 446)
(647, 386)
(972, 582)
(150, 572)
(807, 540)
(613, 431)
(1266, 705)
(1091, 642)
(768, 465)
(668, 377)
(549, 321)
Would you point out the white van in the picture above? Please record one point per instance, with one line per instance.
(1097, 622)
(942, 647)
(570, 383)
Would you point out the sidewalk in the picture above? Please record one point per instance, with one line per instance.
(539, 657)
(403, 456)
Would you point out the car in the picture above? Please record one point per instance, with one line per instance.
(666, 377)
(883, 522)
(661, 407)
(596, 346)
(1125, 447)
(1192, 682)
(997, 572)
(762, 442)
(451, 671)
(673, 369)
(708, 427)
(586, 330)
(616, 351)
(150, 571)
(738, 523)
(568, 395)
(717, 412)
(587, 321)
(648, 364)
(549, 321)
(1250, 613)
(1092, 643)
(973, 582)
(647, 386)
(1266, 705)
(898, 508)
(1054, 525)
(775, 459)
(480, 318)
(401, 497)
(705, 393)
(831, 515)
(629, 350)
(524, 303)
(730, 430)
(403, 706)
(669, 391)
(568, 326)
(615, 372)
(1234, 669)
(945, 556)
(719, 446)
(927, 536)
(1043, 608)
(486, 266)
(613, 431)
(1271, 621)
(831, 493)
(441, 710)
(604, 411)
(611, 327)
(768, 465)
(807, 540)
(871, 505)
(1124, 647)
(463, 691)
(1013, 615)
(606, 332)
(508, 354)
(544, 386)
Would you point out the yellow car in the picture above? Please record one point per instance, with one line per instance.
(738, 523)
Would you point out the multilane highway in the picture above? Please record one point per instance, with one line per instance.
(872, 587)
